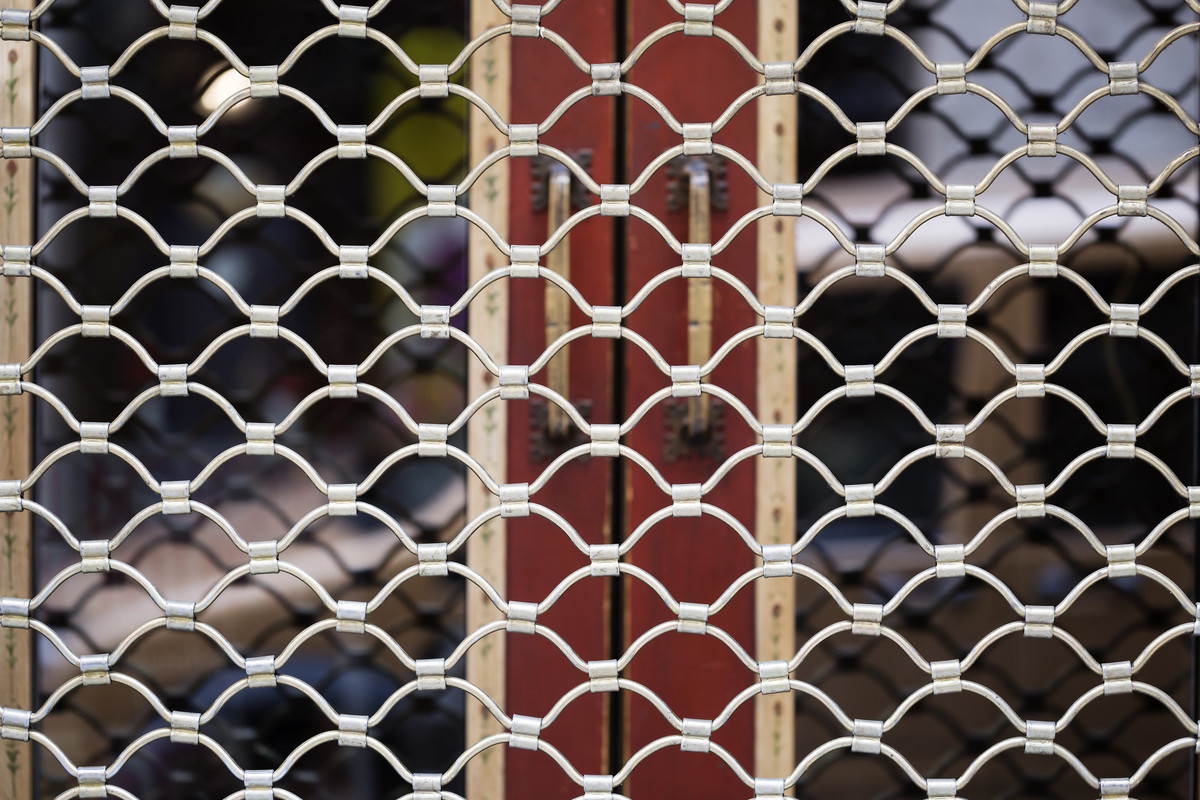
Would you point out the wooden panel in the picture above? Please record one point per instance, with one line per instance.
(538, 673)
(775, 481)
(487, 431)
(697, 676)
(16, 428)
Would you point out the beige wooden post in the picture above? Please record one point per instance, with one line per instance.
(775, 490)
(489, 76)
(16, 428)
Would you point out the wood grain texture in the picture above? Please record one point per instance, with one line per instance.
(16, 421)
(489, 75)
(775, 479)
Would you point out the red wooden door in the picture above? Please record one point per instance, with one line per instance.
(695, 557)
(611, 259)
(538, 672)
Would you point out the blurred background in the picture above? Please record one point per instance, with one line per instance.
(266, 260)
(960, 138)
(953, 259)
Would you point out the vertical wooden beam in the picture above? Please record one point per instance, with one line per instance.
(16, 421)
(490, 76)
(775, 480)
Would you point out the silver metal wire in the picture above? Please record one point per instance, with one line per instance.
(352, 261)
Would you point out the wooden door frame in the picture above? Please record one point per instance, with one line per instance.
(770, 512)
(17, 109)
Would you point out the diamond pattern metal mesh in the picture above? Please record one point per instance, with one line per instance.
(1032, 441)
(249, 506)
(264, 262)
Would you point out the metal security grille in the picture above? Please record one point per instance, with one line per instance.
(273, 488)
(267, 261)
(1110, 263)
